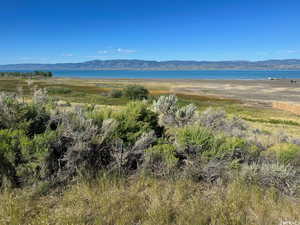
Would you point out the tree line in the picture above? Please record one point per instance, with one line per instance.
(27, 74)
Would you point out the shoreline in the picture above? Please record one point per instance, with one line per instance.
(261, 91)
(174, 79)
(281, 90)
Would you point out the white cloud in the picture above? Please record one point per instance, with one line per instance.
(92, 56)
(112, 51)
(291, 51)
(277, 53)
(102, 52)
(123, 50)
(67, 54)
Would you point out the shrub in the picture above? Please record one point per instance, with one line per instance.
(76, 145)
(279, 176)
(145, 140)
(134, 157)
(37, 119)
(10, 157)
(185, 115)
(40, 96)
(135, 92)
(10, 110)
(228, 148)
(214, 119)
(285, 153)
(202, 141)
(59, 90)
(195, 139)
(31, 117)
(80, 146)
(218, 120)
(166, 104)
(85, 145)
(21, 158)
(98, 116)
(115, 93)
(171, 115)
(34, 153)
(161, 159)
(134, 120)
(197, 168)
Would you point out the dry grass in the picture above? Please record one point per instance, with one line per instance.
(149, 201)
(291, 107)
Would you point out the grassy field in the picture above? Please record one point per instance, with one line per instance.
(118, 201)
(88, 91)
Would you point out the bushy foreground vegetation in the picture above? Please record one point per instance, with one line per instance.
(147, 163)
(26, 74)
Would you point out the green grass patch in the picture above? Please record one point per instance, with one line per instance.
(59, 90)
(272, 121)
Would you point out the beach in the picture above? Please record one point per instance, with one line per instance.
(246, 90)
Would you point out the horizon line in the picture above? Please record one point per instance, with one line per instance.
(149, 60)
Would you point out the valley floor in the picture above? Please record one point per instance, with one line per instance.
(252, 100)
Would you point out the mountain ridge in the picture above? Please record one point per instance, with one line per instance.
(136, 64)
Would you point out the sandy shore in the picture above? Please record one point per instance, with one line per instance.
(246, 90)
(253, 90)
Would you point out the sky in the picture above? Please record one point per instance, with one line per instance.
(39, 31)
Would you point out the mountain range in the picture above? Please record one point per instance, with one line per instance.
(133, 64)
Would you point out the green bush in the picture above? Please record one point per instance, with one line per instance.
(31, 117)
(11, 111)
(35, 152)
(135, 92)
(195, 139)
(12, 161)
(285, 153)
(115, 93)
(199, 140)
(36, 117)
(165, 152)
(22, 158)
(99, 115)
(135, 120)
(228, 148)
(161, 159)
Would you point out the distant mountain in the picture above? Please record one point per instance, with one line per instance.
(132, 64)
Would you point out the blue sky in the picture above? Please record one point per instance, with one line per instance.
(81, 30)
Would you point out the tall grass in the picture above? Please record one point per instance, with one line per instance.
(149, 201)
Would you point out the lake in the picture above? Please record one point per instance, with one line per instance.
(199, 74)
(194, 74)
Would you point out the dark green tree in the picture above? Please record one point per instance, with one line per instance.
(136, 92)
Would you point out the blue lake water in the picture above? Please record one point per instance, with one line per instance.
(195, 74)
(199, 74)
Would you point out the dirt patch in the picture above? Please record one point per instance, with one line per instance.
(290, 107)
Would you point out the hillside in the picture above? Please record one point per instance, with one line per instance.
(288, 64)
